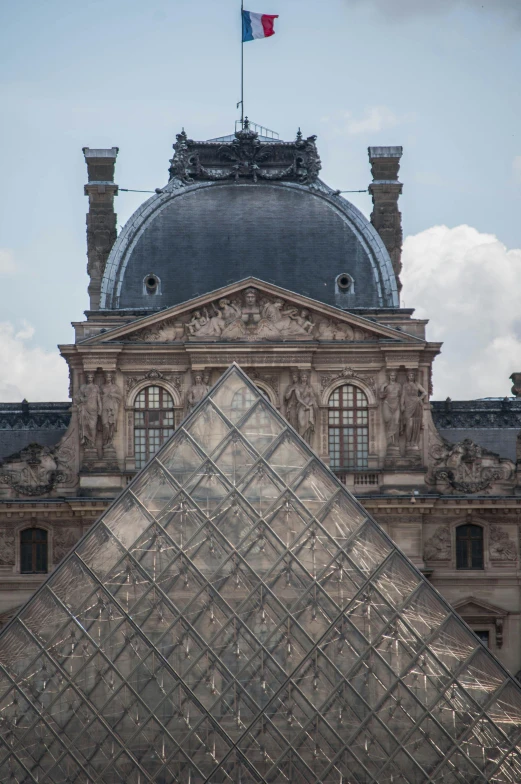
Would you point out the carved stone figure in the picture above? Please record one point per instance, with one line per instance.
(291, 401)
(110, 403)
(88, 401)
(391, 397)
(438, 547)
(307, 406)
(250, 313)
(197, 391)
(413, 395)
(501, 547)
(325, 330)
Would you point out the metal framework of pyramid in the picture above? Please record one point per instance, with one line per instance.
(236, 617)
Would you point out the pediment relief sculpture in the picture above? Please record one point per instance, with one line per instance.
(249, 315)
(466, 467)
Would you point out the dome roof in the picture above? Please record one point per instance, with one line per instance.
(294, 231)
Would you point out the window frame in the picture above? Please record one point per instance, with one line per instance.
(359, 426)
(162, 431)
(474, 562)
(34, 543)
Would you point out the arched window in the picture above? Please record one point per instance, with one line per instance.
(348, 428)
(243, 399)
(469, 547)
(153, 422)
(33, 551)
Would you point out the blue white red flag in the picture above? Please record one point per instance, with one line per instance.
(257, 25)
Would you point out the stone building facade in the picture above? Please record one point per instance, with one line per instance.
(247, 256)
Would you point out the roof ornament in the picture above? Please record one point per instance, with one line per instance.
(246, 157)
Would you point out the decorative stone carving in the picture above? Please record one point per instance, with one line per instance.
(7, 549)
(291, 400)
(438, 547)
(154, 375)
(64, 540)
(249, 318)
(307, 407)
(501, 547)
(516, 385)
(413, 396)
(245, 158)
(348, 373)
(32, 471)
(111, 397)
(391, 397)
(270, 380)
(88, 401)
(197, 391)
(466, 467)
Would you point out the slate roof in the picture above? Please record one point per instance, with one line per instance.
(203, 230)
(494, 423)
(24, 423)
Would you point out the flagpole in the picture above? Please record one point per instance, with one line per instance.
(242, 67)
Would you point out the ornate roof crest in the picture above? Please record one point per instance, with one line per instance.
(246, 157)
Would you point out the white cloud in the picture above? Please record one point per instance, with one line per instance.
(374, 120)
(28, 371)
(7, 262)
(516, 168)
(469, 285)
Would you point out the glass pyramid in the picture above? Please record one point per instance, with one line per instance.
(236, 617)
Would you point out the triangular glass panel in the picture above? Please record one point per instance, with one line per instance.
(236, 617)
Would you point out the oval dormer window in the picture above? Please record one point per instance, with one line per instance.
(151, 284)
(344, 281)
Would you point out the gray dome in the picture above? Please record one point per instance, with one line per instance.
(196, 238)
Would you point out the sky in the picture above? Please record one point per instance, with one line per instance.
(440, 77)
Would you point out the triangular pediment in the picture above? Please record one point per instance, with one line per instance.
(236, 617)
(471, 607)
(252, 310)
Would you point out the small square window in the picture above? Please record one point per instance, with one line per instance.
(483, 636)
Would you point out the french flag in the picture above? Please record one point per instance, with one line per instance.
(257, 25)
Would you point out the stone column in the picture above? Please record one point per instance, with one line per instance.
(101, 218)
(385, 190)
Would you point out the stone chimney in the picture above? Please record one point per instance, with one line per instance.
(101, 218)
(385, 190)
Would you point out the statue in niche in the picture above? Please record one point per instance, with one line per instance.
(197, 391)
(290, 398)
(111, 397)
(391, 397)
(88, 401)
(413, 396)
(307, 406)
